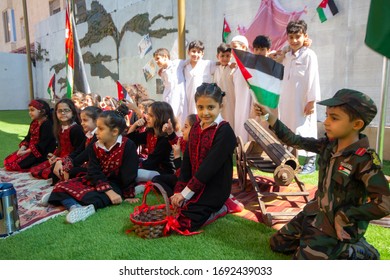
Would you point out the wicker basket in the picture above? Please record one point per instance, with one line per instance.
(150, 221)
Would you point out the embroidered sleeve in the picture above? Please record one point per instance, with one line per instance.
(103, 186)
(67, 163)
(195, 185)
(129, 192)
(179, 187)
(35, 151)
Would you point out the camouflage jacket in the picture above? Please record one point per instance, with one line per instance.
(350, 184)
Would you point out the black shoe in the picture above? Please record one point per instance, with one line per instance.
(362, 250)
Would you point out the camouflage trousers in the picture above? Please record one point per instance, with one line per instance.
(307, 242)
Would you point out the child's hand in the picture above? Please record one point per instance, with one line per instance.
(22, 151)
(167, 127)
(132, 200)
(114, 197)
(140, 122)
(309, 108)
(339, 225)
(176, 149)
(52, 158)
(261, 110)
(176, 200)
(58, 169)
(232, 65)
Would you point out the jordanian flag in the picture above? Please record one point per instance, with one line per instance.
(225, 31)
(326, 9)
(69, 53)
(51, 87)
(122, 92)
(76, 78)
(378, 27)
(264, 76)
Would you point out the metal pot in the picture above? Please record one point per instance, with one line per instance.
(9, 217)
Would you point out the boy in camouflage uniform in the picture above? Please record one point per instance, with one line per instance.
(352, 189)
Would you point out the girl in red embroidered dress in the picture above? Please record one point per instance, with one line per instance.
(112, 169)
(39, 141)
(206, 172)
(68, 133)
(160, 157)
(75, 164)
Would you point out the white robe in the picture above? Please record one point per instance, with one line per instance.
(224, 79)
(202, 73)
(174, 88)
(301, 84)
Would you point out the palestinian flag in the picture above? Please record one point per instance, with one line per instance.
(225, 31)
(378, 27)
(69, 52)
(326, 9)
(51, 87)
(263, 74)
(122, 92)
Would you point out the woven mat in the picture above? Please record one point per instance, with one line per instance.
(29, 192)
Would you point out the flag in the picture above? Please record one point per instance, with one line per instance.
(69, 52)
(75, 71)
(225, 31)
(51, 87)
(263, 75)
(378, 27)
(326, 9)
(122, 92)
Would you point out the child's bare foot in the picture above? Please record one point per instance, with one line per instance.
(132, 200)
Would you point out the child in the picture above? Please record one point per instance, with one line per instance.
(68, 133)
(159, 160)
(39, 141)
(196, 72)
(179, 144)
(112, 169)
(224, 79)
(74, 164)
(352, 189)
(300, 89)
(92, 99)
(172, 76)
(262, 45)
(206, 172)
(243, 95)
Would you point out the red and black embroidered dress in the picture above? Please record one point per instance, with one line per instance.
(207, 170)
(76, 163)
(40, 140)
(160, 157)
(107, 170)
(69, 140)
(168, 181)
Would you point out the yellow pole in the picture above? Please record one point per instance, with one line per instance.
(28, 51)
(181, 28)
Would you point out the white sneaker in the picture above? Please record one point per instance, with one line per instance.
(78, 214)
(139, 189)
(45, 200)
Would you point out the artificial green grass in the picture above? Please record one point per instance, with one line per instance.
(102, 236)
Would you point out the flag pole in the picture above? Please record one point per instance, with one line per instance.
(382, 120)
(181, 29)
(28, 50)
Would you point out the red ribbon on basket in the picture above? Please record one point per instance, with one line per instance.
(173, 224)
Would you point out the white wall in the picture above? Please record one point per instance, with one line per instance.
(14, 84)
